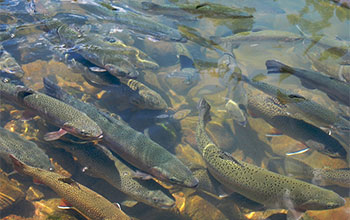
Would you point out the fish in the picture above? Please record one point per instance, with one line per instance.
(209, 10)
(275, 113)
(256, 37)
(150, 99)
(86, 201)
(131, 145)
(335, 70)
(319, 176)
(235, 112)
(299, 107)
(181, 81)
(9, 67)
(135, 22)
(25, 150)
(335, 89)
(69, 119)
(258, 184)
(100, 162)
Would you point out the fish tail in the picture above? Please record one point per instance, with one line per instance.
(18, 165)
(204, 110)
(274, 66)
(51, 88)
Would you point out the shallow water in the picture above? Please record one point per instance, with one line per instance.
(324, 47)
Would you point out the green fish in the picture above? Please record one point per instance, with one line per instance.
(9, 65)
(129, 144)
(27, 151)
(69, 119)
(258, 184)
(89, 203)
(319, 176)
(275, 113)
(209, 10)
(100, 162)
(335, 89)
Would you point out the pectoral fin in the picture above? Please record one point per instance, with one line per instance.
(55, 135)
(129, 203)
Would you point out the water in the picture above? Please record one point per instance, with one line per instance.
(325, 46)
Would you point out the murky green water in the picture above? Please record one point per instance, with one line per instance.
(93, 48)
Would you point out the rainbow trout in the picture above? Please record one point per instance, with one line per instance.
(86, 201)
(319, 176)
(258, 184)
(69, 119)
(100, 162)
(131, 145)
(274, 113)
(335, 89)
(25, 150)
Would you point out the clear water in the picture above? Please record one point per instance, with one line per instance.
(40, 54)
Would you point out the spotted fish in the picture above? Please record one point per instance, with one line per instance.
(86, 201)
(258, 184)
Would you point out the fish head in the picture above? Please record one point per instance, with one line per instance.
(159, 199)
(84, 131)
(153, 100)
(123, 69)
(326, 200)
(178, 175)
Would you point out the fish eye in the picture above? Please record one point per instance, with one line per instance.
(173, 179)
(155, 200)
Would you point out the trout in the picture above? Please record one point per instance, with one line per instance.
(258, 184)
(133, 146)
(89, 203)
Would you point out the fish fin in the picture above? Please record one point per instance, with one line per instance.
(55, 135)
(257, 78)
(17, 164)
(274, 133)
(204, 110)
(294, 214)
(28, 115)
(64, 204)
(22, 92)
(141, 175)
(117, 205)
(51, 87)
(97, 69)
(186, 62)
(129, 203)
(226, 156)
(69, 181)
(223, 192)
(304, 150)
(146, 132)
(37, 182)
(326, 130)
(201, 5)
(274, 66)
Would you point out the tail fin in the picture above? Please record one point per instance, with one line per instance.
(274, 66)
(52, 89)
(204, 110)
(17, 164)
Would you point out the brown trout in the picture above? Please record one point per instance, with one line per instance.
(275, 113)
(131, 145)
(319, 176)
(86, 201)
(69, 119)
(100, 162)
(258, 184)
(25, 150)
